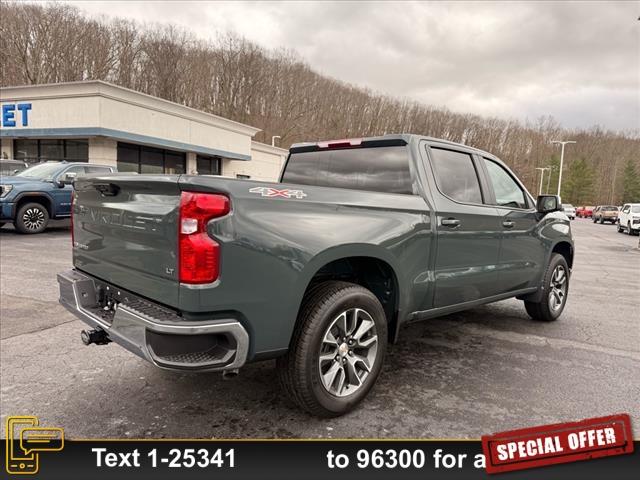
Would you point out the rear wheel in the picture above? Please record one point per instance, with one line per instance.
(31, 218)
(337, 349)
(555, 289)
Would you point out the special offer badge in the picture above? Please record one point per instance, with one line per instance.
(558, 443)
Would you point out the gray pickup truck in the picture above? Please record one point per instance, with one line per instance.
(319, 270)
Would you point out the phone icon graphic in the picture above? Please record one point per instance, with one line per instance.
(18, 461)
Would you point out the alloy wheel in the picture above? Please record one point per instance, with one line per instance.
(33, 218)
(348, 352)
(557, 288)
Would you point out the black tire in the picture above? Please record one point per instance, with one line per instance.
(541, 310)
(601, 220)
(299, 370)
(594, 219)
(31, 218)
(620, 229)
(629, 230)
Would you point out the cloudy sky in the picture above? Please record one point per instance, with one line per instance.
(576, 61)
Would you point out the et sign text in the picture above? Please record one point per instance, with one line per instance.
(15, 112)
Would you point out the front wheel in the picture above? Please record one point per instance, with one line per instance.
(337, 349)
(555, 288)
(629, 229)
(31, 218)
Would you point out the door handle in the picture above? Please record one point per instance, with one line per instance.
(450, 222)
(508, 224)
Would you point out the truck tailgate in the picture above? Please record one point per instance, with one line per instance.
(126, 232)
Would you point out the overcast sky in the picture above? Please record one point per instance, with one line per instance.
(576, 61)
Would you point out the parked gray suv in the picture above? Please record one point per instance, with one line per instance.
(320, 270)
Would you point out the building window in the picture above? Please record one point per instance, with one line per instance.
(208, 165)
(243, 177)
(142, 159)
(46, 150)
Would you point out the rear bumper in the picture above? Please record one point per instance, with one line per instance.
(149, 331)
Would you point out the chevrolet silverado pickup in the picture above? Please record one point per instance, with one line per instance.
(319, 270)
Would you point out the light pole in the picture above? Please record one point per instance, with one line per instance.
(563, 143)
(273, 140)
(542, 169)
(551, 169)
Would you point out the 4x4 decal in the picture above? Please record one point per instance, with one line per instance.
(274, 192)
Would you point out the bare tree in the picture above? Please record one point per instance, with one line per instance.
(276, 91)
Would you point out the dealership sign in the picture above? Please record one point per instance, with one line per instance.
(15, 113)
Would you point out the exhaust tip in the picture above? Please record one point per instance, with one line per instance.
(229, 374)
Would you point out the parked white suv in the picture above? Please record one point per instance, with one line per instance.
(629, 218)
(569, 210)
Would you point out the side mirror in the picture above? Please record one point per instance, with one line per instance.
(548, 203)
(68, 179)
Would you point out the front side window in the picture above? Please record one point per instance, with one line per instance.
(508, 192)
(376, 169)
(456, 175)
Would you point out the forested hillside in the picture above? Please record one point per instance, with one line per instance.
(279, 93)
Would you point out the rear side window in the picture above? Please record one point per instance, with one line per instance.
(508, 192)
(456, 175)
(98, 170)
(79, 170)
(376, 169)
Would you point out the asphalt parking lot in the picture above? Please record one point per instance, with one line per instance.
(461, 376)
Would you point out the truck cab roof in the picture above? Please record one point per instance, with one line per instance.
(388, 139)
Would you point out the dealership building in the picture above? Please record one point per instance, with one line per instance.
(98, 122)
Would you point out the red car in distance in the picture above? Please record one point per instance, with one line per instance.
(584, 212)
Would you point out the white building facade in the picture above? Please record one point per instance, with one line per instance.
(97, 122)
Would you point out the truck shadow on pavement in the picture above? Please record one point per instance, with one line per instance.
(431, 361)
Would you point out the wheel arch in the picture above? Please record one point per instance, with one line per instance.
(35, 197)
(565, 249)
(369, 266)
(562, 247)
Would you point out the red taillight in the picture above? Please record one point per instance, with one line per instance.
(73, 205)
(199, 257)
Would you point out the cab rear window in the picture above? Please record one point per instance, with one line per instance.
(376, 169)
